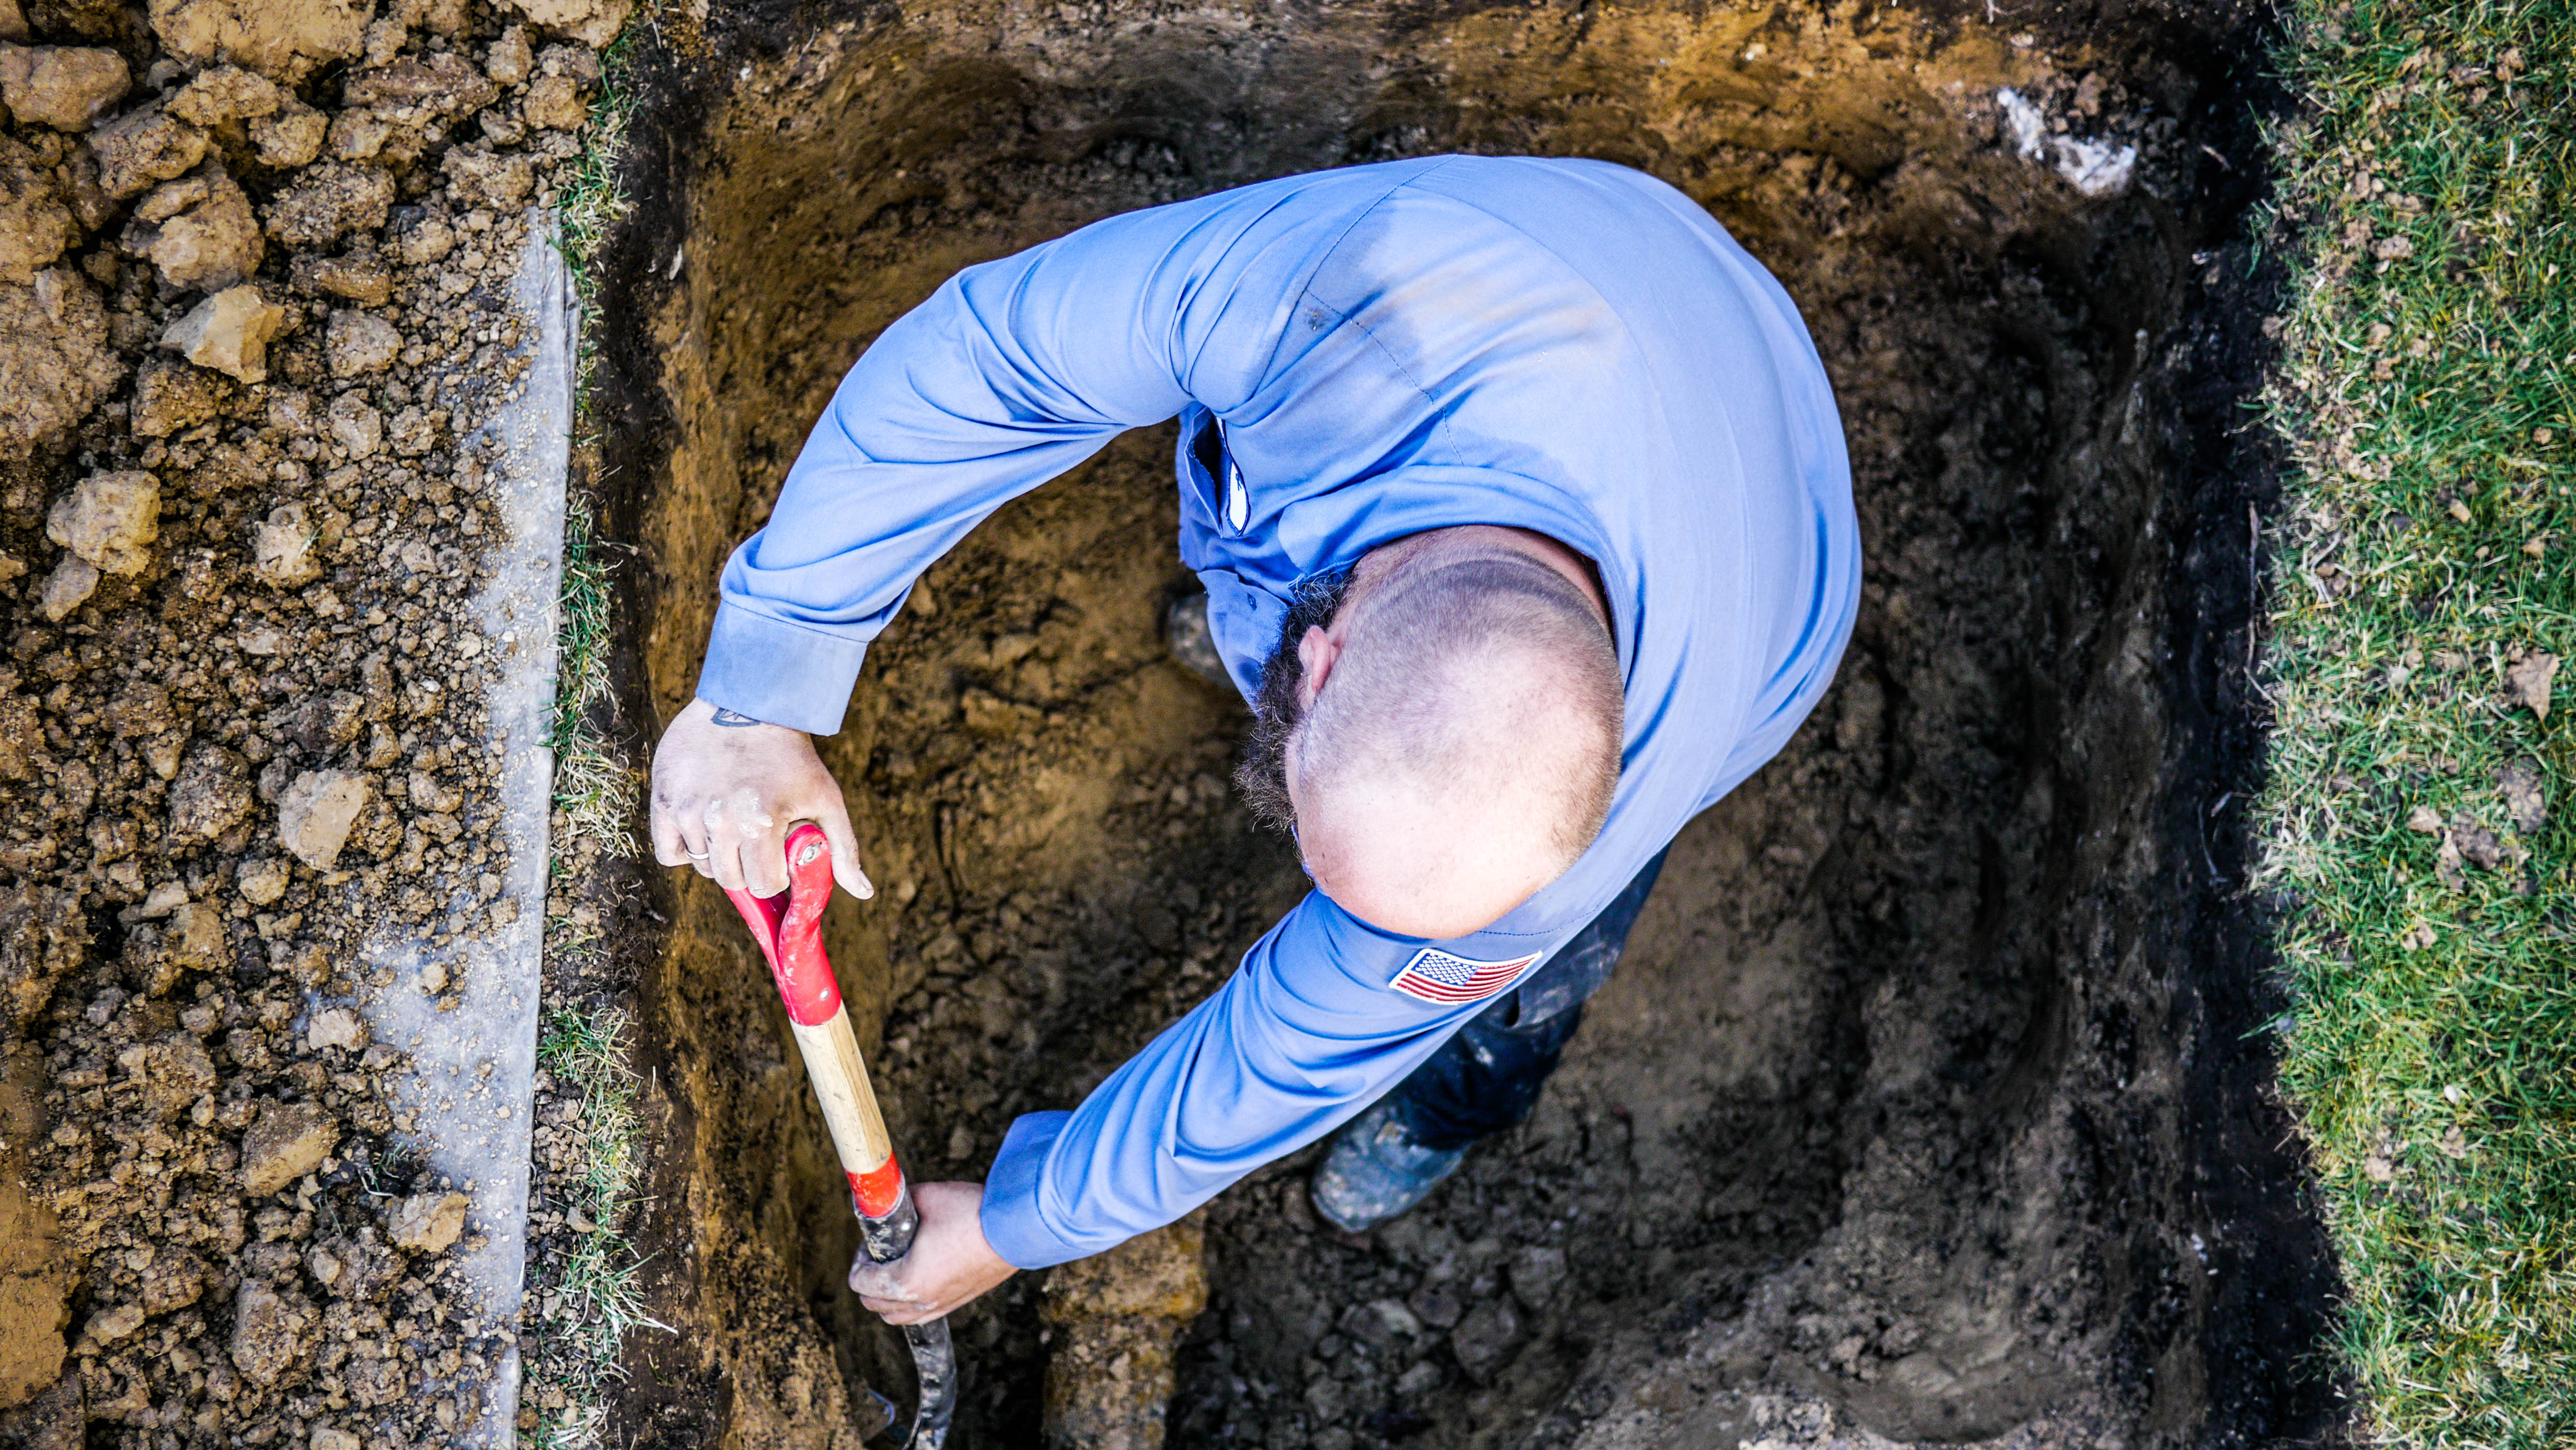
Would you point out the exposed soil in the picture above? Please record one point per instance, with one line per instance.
(1926, 1104)
(255, 283)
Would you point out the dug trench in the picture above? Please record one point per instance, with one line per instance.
(1929, 1103)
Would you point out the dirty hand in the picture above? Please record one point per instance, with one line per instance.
(725, 795)
(950, 1264)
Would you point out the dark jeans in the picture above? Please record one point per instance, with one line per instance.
(1487, 1077)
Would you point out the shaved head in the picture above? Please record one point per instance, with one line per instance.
(1441, 728)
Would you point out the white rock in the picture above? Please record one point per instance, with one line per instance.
(281, 549)
(336, 1027)
(109, 520)
(315, 814)
(358, 343)
(67, 588)
(228, 332)
(427, 1223)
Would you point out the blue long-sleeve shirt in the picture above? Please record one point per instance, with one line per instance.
(1564, 346)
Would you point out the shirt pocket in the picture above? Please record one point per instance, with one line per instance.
(1210, 477)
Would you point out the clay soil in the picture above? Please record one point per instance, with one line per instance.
(1928, 1103)
(255, 275)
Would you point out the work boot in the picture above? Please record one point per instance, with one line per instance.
(1376, 1171)
(1185, 631)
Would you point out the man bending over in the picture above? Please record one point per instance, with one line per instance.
(1522, 509)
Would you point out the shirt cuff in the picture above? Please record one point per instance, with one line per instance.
(1010, 1213)
(779, 673)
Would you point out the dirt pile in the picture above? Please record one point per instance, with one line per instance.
(1923, 1106)
(255, 267)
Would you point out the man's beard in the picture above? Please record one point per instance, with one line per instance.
(1263, 775)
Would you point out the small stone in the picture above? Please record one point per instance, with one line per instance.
(229, 333)
(315, 814)
(167, 897)
(261, 881)
(508, 60)
(114, 1325)
(365, 280)
(281, 549)
(170, 398)
(71, 584)
(336, 1027)
(1537, 1272)
(358, 343)
(109, 520)
(427, 1223)
(226, 93)
(286, 39)
(269, 1329)
(357, 425)
(439, 84)
(425, 242)
(478, 176)
(1436, 1305)
(142, 147)
(35, 224)
(199, 232)
(329, 202)
(554, 103)
(291, 136)
(55, 364)
(211, 795)
(592, 22)
(327, 1437)
(359, 134)
(289, 1141)
(65, 87)
(1484, 1337)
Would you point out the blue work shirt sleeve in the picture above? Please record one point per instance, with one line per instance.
(1305, 1035)
(1012, 373)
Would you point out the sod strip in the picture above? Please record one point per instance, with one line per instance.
(2415, 824)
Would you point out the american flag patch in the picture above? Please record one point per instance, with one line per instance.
(1437, 977)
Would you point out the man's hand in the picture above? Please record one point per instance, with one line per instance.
(725, 792)
(950, 1264)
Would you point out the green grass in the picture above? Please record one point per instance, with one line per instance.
(595, 791)
(590, 196)
(2416, 820)
(593, 1298)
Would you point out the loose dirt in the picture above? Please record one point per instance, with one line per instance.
(1927, 1104)
(255, 274)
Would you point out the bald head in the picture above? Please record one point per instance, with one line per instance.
(1442, 729)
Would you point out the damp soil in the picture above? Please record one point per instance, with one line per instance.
(1928, 1103)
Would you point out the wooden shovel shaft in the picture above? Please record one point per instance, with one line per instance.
(859, 1137)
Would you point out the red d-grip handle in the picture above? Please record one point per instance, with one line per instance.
(789, 929)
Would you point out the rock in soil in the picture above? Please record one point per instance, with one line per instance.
(228, 332)
(65, 87)
(427, 1223)
(109, 520)
(288, 1141)
(54, 360)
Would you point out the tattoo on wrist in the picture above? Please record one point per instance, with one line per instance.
(733, 719)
